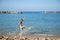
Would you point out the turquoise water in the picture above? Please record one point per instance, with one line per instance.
(40, 23)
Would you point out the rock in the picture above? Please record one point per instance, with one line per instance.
(9, 39)
(1, 37)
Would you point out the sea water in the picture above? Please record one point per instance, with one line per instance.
(40, 23)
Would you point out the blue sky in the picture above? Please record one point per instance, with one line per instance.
(29, 5)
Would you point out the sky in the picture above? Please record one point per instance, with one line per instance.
(29, 5)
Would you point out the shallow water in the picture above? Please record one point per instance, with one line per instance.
(40, 23)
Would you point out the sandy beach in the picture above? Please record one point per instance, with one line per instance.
(27, 38)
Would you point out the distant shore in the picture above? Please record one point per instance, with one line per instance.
(14, 12)
(6, 12)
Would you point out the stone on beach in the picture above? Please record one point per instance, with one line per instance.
(27, 38)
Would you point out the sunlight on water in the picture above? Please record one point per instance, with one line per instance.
(38, 22)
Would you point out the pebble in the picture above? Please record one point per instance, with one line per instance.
(26, 38)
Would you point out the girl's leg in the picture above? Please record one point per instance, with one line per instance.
(26, 27)
(20, 35)
(21, 31)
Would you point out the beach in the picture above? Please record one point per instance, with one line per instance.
(30, 37)
(29, 19)
(27, 38)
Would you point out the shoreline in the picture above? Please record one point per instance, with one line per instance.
(32, 35)
(29, 37)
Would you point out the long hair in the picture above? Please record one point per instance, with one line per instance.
(21, 20)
